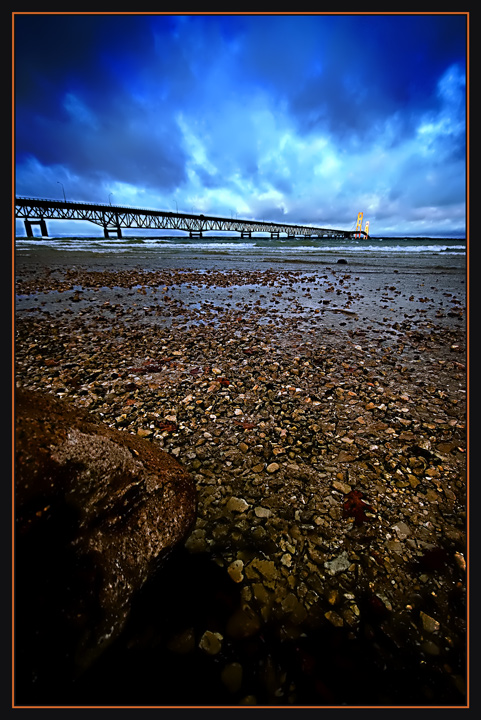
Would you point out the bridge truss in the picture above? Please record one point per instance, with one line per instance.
(113, 218)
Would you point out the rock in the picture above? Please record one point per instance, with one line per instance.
(97, 512)
(377, 410)
(334, 618)
(211, 642)
(235, 504)
(346, 456)
(402, 530)
(430, 648)
(183, 643)
(338, 564)
(266, 568)
(429, 624)
(231, 676)
(196, 542)
(272, 467)
(235, 570)
(262, 512)
(460, 561)
(243, 623)
(342, 487)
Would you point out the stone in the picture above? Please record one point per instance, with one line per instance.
(235, 504)
(338, 564)
(272, 467)
(334, 618)
(394, 546)
(235, 571)
(402, 530)
(385, 394)
(231, 676)
(430, 648)
(183, 643)
(266, 568)
(196, 542)
(346, 456)
(342, 487)
(211, 642)
(460, 561)
(429, 624)
(243, 623)
(333, 596)
(262, 512)
(97, 512)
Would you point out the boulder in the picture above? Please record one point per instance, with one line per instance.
(97, 511)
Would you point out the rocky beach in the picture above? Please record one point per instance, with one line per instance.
(322, 417)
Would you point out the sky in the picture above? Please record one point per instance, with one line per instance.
(297, 118)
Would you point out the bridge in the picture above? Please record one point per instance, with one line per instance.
(113, 218)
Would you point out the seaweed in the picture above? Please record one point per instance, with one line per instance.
(355, 506)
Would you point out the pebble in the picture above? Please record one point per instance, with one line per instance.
(235, 570)
(402, 530)
(231, 676)
(334, 618)
(430, 648)
(338, 564)
(273, 467)
(183, 643)
(279, 414)
(211, 642)
(262, 512)
(236, 504)
(342, 487)
(429, 624)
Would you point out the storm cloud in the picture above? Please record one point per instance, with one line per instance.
(304, 118)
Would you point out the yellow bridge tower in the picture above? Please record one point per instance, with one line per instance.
(358, 225)
(358, 230)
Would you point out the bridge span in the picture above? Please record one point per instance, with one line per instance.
(113, 218)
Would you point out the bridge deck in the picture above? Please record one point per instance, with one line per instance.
(112, 218)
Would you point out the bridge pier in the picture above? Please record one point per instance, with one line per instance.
(274, 234)
(246, 233)
(117, 229)
(195, 233)
(114, 225)
(41, 222)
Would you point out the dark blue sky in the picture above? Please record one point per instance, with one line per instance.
(304, 118)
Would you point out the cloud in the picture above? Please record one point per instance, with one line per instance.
(307, 118)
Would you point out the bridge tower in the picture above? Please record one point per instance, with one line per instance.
(366, 228)
(358, 225)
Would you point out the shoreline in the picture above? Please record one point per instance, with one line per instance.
(282, 397)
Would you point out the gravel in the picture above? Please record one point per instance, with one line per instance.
(328, 444)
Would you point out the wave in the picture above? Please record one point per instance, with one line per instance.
(255, 246)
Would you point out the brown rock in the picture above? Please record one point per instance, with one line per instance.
(97, 510)
(346, 456)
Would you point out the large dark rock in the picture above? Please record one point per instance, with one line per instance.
(97, 510)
